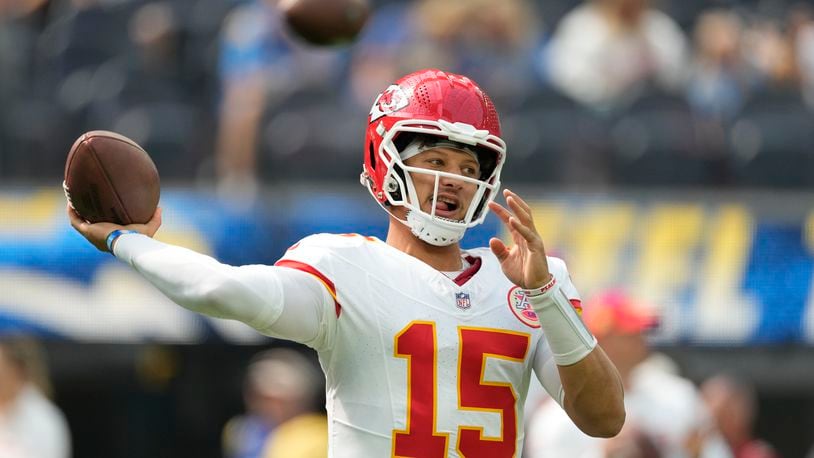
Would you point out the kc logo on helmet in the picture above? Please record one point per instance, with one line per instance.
(390, 101)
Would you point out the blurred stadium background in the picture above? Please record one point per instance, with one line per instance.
(684, 174)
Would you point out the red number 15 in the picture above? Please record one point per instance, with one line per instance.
(417, 343)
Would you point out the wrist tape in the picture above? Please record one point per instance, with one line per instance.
(111, 238)
(567, 336)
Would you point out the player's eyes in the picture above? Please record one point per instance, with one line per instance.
(466, 171)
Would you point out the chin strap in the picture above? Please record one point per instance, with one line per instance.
(434, 230)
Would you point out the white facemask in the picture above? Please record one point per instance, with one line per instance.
(433, 229)
(397, 185)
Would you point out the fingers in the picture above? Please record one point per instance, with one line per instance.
(76, 221)
(520, 221)
(500, 211)
(498, 248)
(519, 207)
(86, 229)
(506, 216)
(528, 234)
(151, 227)
(523, 204)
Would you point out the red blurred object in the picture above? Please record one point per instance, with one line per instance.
(616, 311)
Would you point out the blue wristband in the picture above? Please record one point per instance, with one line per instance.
(114, 235)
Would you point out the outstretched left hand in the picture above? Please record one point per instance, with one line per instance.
(525, 263)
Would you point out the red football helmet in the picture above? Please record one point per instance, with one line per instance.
(438, 104)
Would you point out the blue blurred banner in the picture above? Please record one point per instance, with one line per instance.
(729, 271)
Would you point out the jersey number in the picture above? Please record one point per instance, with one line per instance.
(417, 343)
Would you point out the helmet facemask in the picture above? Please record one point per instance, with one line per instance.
(399, 189)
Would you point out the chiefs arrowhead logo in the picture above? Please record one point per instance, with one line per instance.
(390, 101)
(520, 306)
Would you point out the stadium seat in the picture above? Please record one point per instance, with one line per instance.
(552, 139)
(170, 132)
(86, 37)
(655, 143)
(773, 141)
(311, 134)
(37, 135)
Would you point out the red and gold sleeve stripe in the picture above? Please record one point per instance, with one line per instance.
(329, 285)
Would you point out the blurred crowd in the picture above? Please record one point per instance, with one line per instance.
(31, 425)
(595, 92)
(284, 398)
(667, 414)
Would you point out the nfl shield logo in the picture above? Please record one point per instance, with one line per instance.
(462, 301)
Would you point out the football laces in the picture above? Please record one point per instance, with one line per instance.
(67, 194)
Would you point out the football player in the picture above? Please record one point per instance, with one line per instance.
(427, 349)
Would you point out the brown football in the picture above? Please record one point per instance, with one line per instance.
(325, 22)
(110, 178)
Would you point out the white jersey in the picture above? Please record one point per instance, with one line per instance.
(418, 364)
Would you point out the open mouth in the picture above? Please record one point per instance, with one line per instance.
(446, 207)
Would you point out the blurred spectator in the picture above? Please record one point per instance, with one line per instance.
(31, 426)
(605, 51)
(260, 64)
(284, 395)
(801, 31)
(150, 93)
(20, 24)
(771, 52)
(150, 71)
(30, 121)
(734, 407)
(631, 443)
(663, 409)
(491, 42)
(155, 34)
(720, 77)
